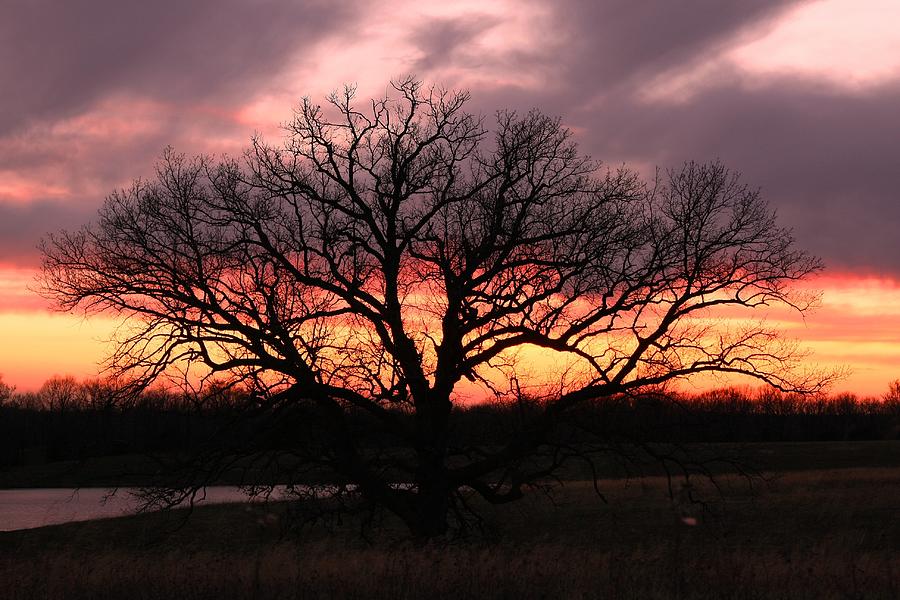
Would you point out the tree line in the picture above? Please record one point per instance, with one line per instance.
(68, 419)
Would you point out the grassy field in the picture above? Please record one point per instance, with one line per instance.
(827, 533)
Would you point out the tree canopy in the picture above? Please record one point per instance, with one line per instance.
(391, 249)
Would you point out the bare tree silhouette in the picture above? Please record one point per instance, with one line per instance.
(361, 271)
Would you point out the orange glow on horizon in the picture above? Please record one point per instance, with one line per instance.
(38, 345)
(857, 325)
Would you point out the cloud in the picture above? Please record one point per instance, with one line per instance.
(93, 91)
(618, 41)
(445, 41)
(58, 58)
(98, 90)
(827, 160)
(23, 225)
(824, 154)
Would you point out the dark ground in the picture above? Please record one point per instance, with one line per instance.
(829, 530)
(780, 457)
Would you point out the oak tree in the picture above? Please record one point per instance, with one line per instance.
(391, 252)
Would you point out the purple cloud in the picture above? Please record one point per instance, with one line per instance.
(58, 58)
(825, 156)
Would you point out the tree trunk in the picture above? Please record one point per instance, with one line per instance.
(431, 505)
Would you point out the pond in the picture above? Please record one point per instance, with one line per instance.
(36, 507)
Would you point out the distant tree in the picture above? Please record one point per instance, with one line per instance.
(61, 393)
(6, 391)
(355, 276)
(98, 394)
(892, 396)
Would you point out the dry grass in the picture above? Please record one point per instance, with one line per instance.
(823, 534)
(542, 571)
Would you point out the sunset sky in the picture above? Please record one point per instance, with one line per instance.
(803, 98)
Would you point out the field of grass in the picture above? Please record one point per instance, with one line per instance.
(815, 534)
